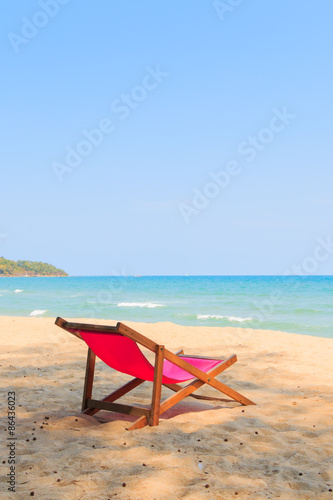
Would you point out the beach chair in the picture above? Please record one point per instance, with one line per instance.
(118, 347)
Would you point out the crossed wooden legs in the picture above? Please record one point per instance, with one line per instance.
(151, 416)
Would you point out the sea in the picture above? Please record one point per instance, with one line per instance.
(296, 304)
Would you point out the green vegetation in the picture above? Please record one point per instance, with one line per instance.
(28, 268)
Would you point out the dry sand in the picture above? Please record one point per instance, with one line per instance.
(280, 448)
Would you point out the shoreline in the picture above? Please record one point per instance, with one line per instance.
(282, 447)
(138, 323)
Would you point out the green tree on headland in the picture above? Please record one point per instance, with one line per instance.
(28, 268)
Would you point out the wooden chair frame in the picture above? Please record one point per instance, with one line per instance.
(148, 415)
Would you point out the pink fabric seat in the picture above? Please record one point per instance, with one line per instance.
(123, 354)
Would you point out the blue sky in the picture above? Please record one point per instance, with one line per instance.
(167, 137)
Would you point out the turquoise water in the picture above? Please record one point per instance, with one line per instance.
(297, 304)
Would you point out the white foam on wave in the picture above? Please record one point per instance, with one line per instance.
(150, 305)
(18, 291)
(38, 312)
(217, 316)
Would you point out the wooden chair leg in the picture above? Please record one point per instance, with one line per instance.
(177, 388)
(157, 387)
(217, 370)
(182, 393)
(118, 393)
(138, 424)
(89, 378)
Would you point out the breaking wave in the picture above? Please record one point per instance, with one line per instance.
(38, 312)
(217, 316)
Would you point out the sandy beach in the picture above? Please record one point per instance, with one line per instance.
(280, 448)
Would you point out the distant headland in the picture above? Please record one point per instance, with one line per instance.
(28, 268)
